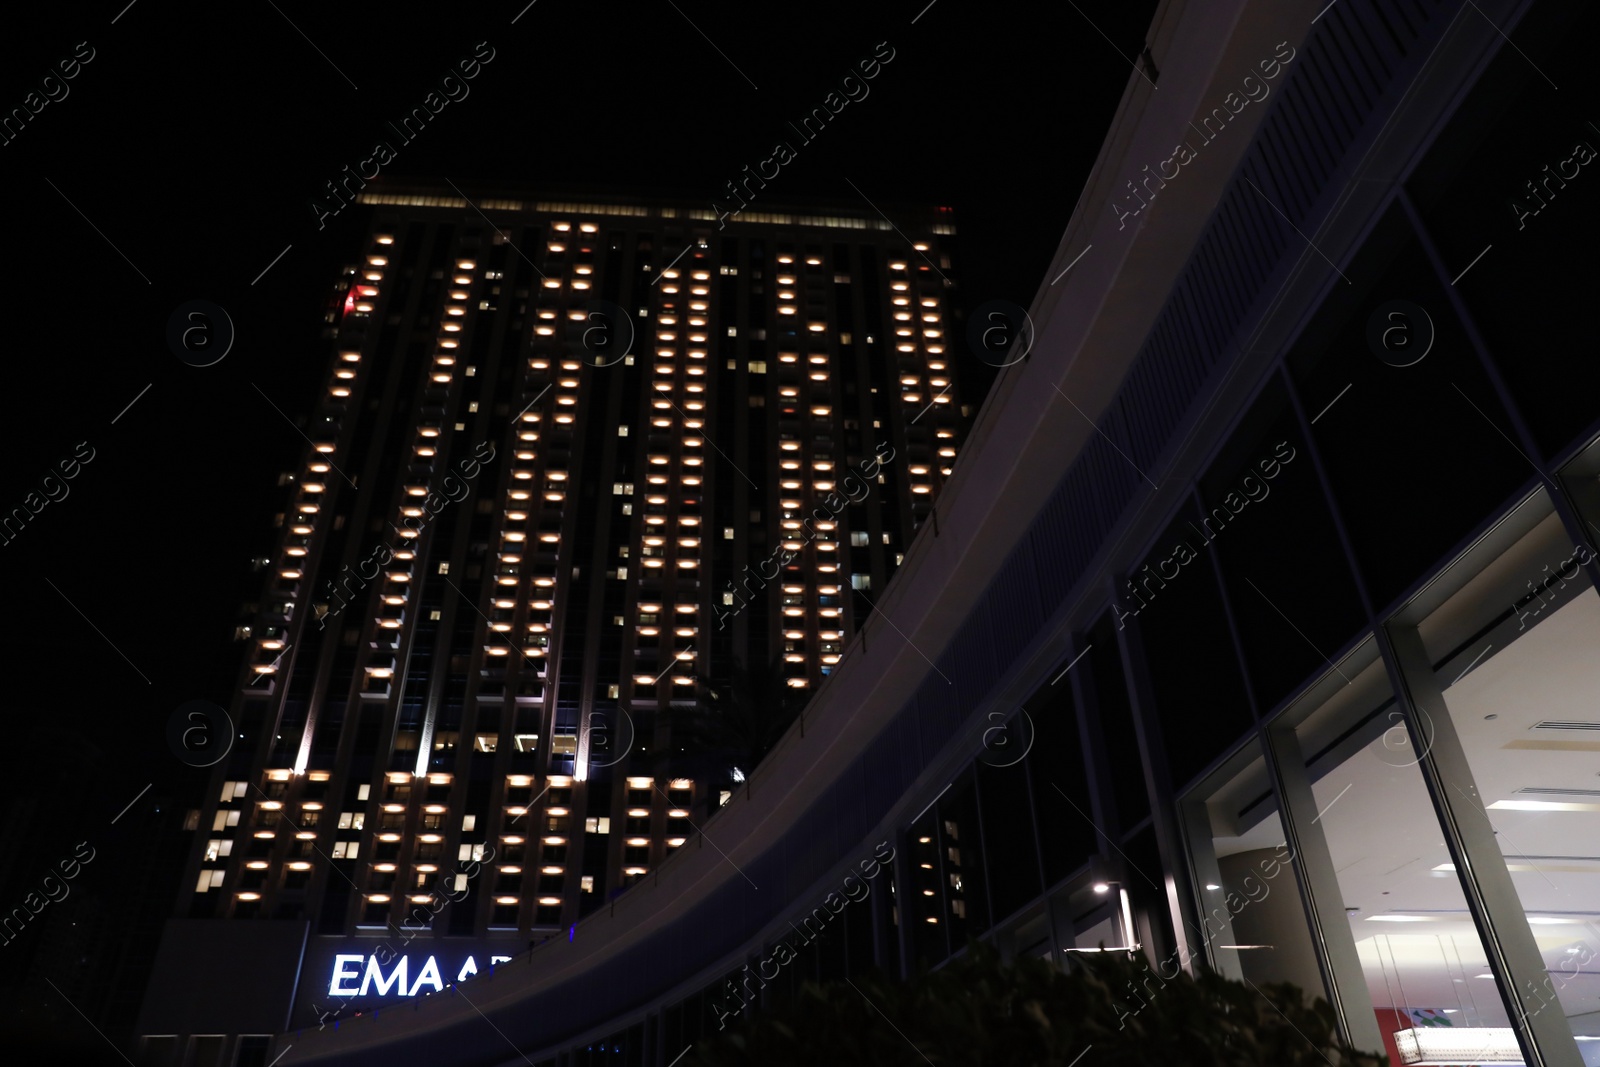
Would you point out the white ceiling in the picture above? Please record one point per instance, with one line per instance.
(1383, 834)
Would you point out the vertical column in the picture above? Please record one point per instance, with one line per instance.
(1158, 783)
(1096, 763)
(1342, 978)
(902, 889)
(1051, 930)
(1491, 897)
(885, 946)
(1096, 769)
(1217, 927)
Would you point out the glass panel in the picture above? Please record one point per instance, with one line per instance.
(781, 988)
(1522, 693)
(161, 1051)
(1013, 861)
(1502, 193)
(253, 1051)
(923, 904)
(860, 929)
(1091, 920)
(1254, 926)
(1116, 722)
(1067, 836)
(1269, 496)
(1421, 958)
(1028, 935)
(1147, 915)
(1111, 907)
(961, 850)
(1179, 614)
(833, 946)
(207, 1051)
(1366, 412)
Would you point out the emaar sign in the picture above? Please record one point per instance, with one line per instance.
(405, 975)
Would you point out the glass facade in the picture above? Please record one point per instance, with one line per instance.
(1334, 726)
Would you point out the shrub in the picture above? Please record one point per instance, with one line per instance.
(980, 1012)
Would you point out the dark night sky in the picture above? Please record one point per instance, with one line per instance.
(194, 141)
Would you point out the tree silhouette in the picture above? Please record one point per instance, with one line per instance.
(981, 1012)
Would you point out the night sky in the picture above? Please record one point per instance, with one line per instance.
(184, 157)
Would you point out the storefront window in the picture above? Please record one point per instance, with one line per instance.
(1318, 859)
(1405, 953)
(1251, 923)
(1513, 651)
(1421, 960)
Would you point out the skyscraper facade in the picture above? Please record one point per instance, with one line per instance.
(1268, 651)
(595, 493)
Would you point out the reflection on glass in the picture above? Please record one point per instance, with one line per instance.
(929, 946)
(1528, 715)
(1099, 919)
(1253, 924)
(1420, 954)
(966, 909)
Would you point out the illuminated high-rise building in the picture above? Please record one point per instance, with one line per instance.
(1253, 637)
(594, 495)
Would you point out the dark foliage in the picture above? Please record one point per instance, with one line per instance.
(980, 1012)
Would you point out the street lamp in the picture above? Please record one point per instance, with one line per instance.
(1131, 941)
